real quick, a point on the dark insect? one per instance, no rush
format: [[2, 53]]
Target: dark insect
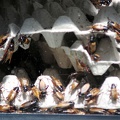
[[24, 40], [28, 104], [105, 2]]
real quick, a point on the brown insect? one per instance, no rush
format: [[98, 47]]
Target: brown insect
[[91, 97], [92, 45], [28, 103], [24, 84], [58, 94], [112, 111], [117, 36], [12, 95], [97, 110], [61, 106], [74, 85], [99, 27], [99, 3], [82, 67], [65, 105], [93, 93], [91, 101], [3, 39], [9, 53], [57, 83], [5, 108], [23, 40], [113, 93], [74, 111], [35, 91], [113, 25], [95, 57]]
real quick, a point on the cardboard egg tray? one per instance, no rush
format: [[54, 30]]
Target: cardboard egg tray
[[53, 20]]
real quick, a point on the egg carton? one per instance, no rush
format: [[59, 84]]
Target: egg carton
[[55, 19], [24, 99]]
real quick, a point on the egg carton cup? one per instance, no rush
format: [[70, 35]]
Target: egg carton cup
[[105, 99], [8, 83]]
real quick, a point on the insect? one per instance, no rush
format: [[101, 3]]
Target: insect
[[95, 57], [91, 97], [84, 90], [5, 108], [3, 39], [58, 94], [9, 52], [112, 111], [24, 84], [92, 45], [61, 106], [117, 36], [82, 67], [93, 93], [99, 27], [113, 25], [74, 85], [74, 111], [42, 87], [65, 105], [35, 91], [113, 93], [91, 101], [99, 3], [23, 40], [105, 2], [28, 103], [12, 95], [57, 83], [97, 110]]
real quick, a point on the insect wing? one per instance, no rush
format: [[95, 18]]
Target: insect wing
[[85, 88]]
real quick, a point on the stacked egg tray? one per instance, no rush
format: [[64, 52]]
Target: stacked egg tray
[[82, 35]]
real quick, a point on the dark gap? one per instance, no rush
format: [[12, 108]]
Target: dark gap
[[90, 17], [29, 59], [69, 39]]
